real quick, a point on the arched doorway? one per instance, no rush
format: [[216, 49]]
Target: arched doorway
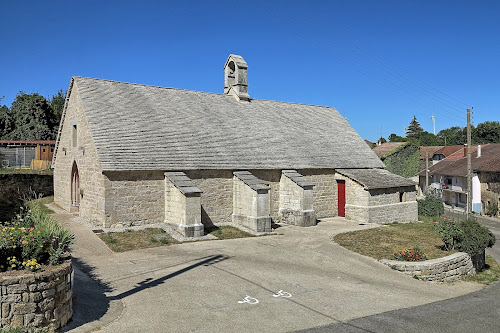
[[75, 189]]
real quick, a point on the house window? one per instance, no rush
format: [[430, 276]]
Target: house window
[[51, 150], [43, 150], [75, 136], [402, 196]]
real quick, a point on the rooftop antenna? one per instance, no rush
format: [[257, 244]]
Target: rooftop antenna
[[433, 123]]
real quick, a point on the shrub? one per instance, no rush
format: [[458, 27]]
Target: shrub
[[450, 233], [32, 239], [492, 210], [410, 254], [430, 206], [467, 236]]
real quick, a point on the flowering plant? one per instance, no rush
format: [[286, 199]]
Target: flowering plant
[[410, 254], [32, 239]]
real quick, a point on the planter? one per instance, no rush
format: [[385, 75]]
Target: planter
[[447, 269], [37, 301]]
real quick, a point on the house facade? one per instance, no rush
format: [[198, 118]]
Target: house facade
[[449, 176], [130, 154]]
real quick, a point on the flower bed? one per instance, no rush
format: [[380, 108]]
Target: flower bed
[[35, 273], [37, 300]]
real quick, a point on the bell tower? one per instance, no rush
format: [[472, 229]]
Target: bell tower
[[235, 78]]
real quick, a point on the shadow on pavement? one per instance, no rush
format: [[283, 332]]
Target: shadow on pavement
[[89, 300]]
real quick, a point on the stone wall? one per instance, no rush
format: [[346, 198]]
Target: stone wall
[[84, 154], [448, 269], [490, 189], [251, 204], [324, 192], [134, 198], [175, 204], [17, 187], [380, 205], [37, 300], [217, 196]]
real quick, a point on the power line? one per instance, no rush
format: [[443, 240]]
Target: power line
[[369, 72], [379, 64], [380, 54]]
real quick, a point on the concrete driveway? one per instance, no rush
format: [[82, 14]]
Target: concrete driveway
[[296, 280]]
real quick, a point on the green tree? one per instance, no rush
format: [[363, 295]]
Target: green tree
[[414, 129], [453, 136], [32, 118], [57, 104], [487, 132], [395, 138], [428, 139], [6, 124]]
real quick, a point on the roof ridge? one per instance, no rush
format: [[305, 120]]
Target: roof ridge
[[198, 91]]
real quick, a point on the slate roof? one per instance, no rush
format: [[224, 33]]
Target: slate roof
[[298, 179], [376, 178], [386, 148], [140, 127], [183, 183], [249, 179], [456, 164]]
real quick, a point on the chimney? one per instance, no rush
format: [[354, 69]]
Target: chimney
[[478, 151], [235, 78], [465, 150]]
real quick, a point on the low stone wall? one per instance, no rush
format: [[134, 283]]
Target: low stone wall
[[447, 269], [37, 301]]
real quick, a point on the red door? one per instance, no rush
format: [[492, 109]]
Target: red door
[[341, 197]]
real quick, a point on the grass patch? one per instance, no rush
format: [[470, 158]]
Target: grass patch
[[227, 232], [380, 243], [41, 203], [26, 171], [490, 273], [137, 239]]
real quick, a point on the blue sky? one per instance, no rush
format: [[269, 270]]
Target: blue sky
[[378, 62]]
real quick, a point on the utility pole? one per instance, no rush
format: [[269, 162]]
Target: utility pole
[[427, 172], [469, 166]]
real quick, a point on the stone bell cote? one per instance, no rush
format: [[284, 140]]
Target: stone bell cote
[[235, 78]]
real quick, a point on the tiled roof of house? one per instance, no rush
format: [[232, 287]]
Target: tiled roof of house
[[376, 178], [386, 148], [140, 127], [456, 164], [448, 150], [424, 150]]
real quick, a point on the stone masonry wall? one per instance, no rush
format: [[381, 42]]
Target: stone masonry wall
[[244, 199], [448, 269], [175, 204], [490, 190], [37, 300], [324, 191], [134, 198], [89, 168], [217, 196]]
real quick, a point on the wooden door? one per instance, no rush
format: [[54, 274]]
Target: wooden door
[[75, 188], [341, 197]]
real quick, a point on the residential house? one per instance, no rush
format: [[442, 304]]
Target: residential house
[[449, 177], [131, 154]]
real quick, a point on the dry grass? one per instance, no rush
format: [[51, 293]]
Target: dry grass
[[380, 243], [490, 273], [137, 239], [227, 232], [26, 171]]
